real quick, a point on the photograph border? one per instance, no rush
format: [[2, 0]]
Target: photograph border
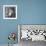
[[4, 11]]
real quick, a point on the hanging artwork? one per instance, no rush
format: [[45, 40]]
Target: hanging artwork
[[9, 11]]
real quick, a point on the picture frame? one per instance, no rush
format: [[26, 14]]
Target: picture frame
[[36, 32], [9, 11]]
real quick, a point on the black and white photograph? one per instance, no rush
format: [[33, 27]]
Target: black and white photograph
[[9, 11], [31, 34]]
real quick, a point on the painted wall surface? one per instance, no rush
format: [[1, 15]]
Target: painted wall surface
[[28, 12], [33, 12], [7, 26]]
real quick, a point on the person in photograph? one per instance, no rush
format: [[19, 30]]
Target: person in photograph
[[10, 12]]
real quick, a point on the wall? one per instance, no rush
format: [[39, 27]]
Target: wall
[[34, 12], [7, 26], [28, 12]]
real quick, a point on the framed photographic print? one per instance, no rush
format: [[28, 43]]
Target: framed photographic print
[[31, 32], [9, 11]]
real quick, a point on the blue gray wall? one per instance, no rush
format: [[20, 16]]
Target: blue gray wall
[[33, 12], [28, 12]]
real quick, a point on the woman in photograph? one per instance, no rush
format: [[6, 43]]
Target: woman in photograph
[[10, 12]]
